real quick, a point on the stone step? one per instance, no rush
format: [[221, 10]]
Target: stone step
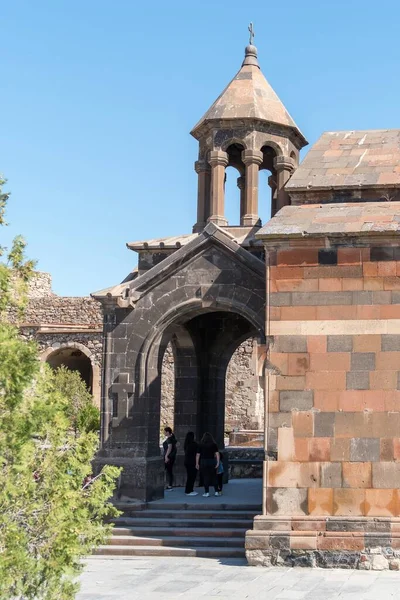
[[189, 514], [203, 504], [181, 542], [183, 522], [206, 552], [179, 532]]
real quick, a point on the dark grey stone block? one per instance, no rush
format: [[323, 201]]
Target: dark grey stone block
[[297, 400], [324, 424], [321, 298], [280, 299], [390, 343], [363, 361], [340, 343], [331, 475], [357, 380], [290, 343], [365, 449]]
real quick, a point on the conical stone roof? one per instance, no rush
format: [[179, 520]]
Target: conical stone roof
[[248, 96]]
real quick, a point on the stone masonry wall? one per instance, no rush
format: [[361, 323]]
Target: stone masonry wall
[[333, 494], [244, 406]]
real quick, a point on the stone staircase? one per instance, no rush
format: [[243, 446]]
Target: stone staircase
[[213, 530]]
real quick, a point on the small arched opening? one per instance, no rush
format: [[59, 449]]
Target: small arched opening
[[267, 187], [234, 183], [74, 360]]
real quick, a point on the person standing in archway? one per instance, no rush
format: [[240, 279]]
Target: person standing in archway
[[207, 460], [191, 448], [169, 446]]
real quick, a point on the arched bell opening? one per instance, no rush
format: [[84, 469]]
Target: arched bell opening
[[268, 187], [234, 184]]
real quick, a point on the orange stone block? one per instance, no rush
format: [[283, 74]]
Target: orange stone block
[[287, 273], [373, 283], [387, 268], [392, 400], [352, 284], [293, 474], [274, 313], [316, 343], [298, 363], [297, 285], [370, 269], [340, 541], [320, 449], [331, 361], [320, 501], [301, 453], [340, 449], [290, 383], [391, 311], [357, 474], [396, 449], [391, 283], [336, 313], [351, 400], [374, 400], [303, 542], [348, 502], [298, 313], [298, 256], [303, 423], [326, 401], [325, 380], [333, 284], [349, 256], [368, 312], [382, 503], [386, 449], [387, 361], [279, 361], [383, 380], [367, 343]]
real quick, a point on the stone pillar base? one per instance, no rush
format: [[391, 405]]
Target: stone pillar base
[[368, 543], [141, 478]]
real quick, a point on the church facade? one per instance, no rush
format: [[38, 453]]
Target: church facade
[[317, 287]]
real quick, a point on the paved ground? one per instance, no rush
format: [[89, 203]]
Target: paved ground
[[195, 578], [237, 491]]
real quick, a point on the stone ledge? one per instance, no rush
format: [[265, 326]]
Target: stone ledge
[[344, 542]]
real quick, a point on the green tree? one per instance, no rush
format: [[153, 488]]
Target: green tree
[[48, 518], [81, 412]]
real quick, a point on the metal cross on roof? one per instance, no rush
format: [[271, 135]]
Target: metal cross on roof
[[251, 30]]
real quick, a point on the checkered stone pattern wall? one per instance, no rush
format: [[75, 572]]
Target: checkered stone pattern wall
[[334, 404]]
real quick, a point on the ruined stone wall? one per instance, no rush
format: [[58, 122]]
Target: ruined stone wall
[[244, 395]]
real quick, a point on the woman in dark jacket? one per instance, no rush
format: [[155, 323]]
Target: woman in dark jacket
[[207, 460], [190, 448]]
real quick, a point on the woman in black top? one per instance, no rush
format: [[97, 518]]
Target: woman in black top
[[207, 460], [190, 448]]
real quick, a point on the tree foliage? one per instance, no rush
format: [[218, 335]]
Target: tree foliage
[[48, 519]]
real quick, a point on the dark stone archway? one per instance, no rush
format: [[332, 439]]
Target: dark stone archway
[[207, 298]]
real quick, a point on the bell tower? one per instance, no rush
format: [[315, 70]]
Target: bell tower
[[248, 128]]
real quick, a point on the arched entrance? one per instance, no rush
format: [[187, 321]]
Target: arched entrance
[[74, 360], [202, 343]]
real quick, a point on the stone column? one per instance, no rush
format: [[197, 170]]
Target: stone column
[[252, 159], [218, 161], [272, 185], [284, 166], [241, 185], [202, 169]]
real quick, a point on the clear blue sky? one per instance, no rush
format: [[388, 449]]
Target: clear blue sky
[[98, 98]]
